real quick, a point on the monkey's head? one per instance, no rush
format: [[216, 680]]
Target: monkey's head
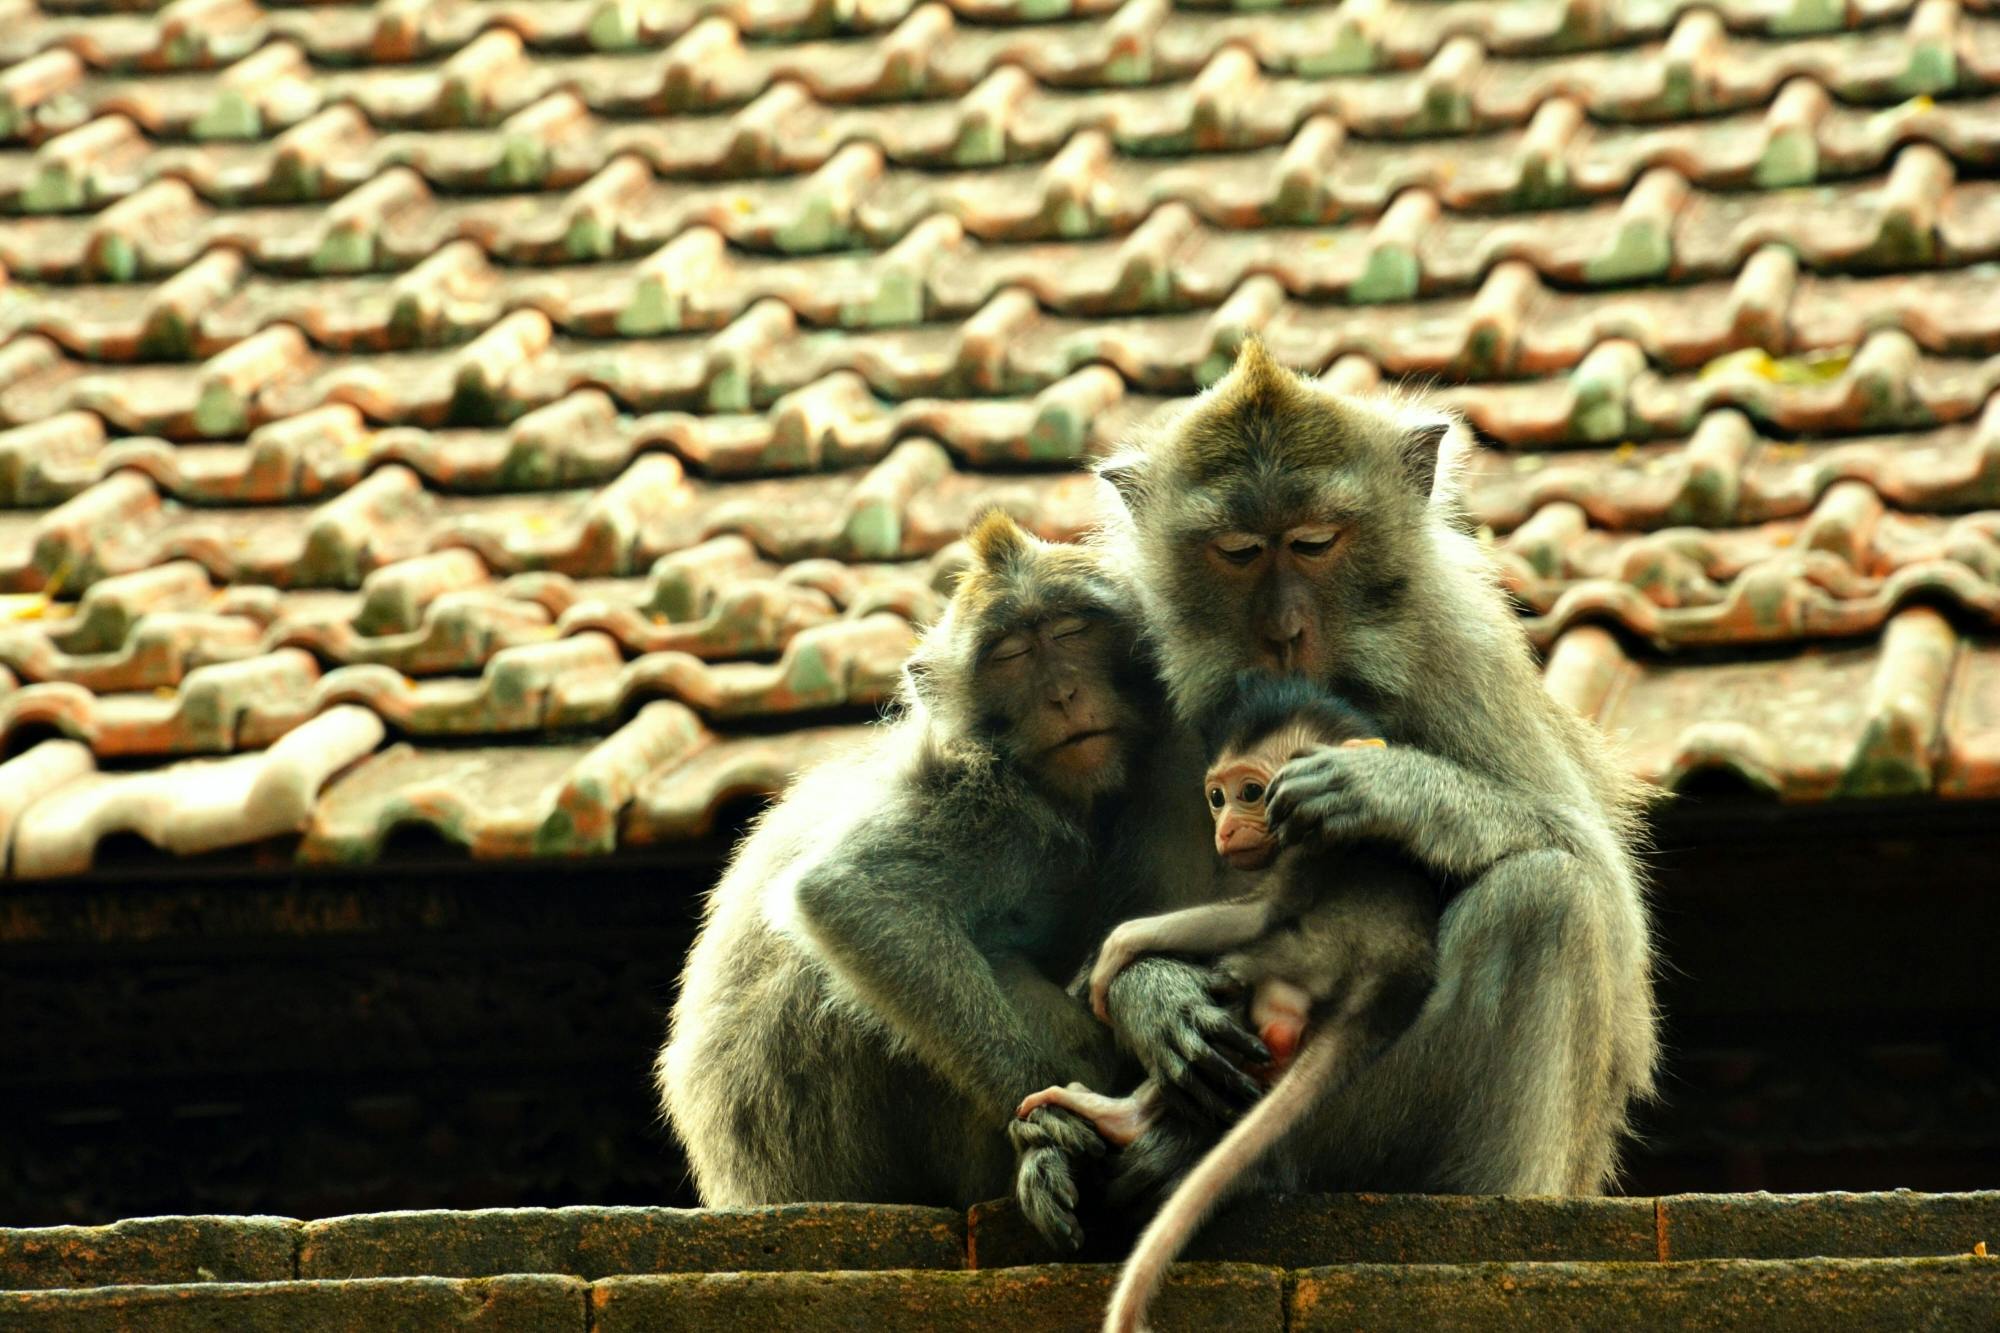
[[1265, 724], [1036, 658], [1277, 526]]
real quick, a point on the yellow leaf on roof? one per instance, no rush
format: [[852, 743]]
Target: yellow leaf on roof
[[1810, 368]]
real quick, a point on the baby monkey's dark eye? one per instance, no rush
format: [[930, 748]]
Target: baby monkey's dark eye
[[1215, 798], [1253, 792]]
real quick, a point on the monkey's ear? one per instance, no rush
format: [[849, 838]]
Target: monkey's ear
[[1420, 448], [918, 672], [1127, 474], [997, 539]]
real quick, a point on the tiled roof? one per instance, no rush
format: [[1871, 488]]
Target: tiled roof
[[544, 422]]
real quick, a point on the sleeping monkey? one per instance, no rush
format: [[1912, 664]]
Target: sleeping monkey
[[1356, 960]]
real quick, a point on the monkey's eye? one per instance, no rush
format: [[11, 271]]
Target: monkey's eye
[[1252, 793], [1312, 543], [1239, 550], [1068, 627], [1215, 798], [1009, 649]]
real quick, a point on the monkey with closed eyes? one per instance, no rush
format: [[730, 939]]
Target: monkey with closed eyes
[[1273, 525], [1340, 935], [880, 976]]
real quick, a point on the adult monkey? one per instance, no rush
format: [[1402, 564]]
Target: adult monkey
[[878, 981], [1274, 525]]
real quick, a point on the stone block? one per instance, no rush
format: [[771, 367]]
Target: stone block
[[1306, 1231], [598, 1242], [1049, 1299], [1802, 1226], [998, 1236], [148, 1249], [1770, 1296], [380, 1305]]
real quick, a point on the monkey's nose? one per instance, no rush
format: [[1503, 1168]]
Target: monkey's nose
[[1285, 648]]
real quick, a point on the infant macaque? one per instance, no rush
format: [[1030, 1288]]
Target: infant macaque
[[1340, 937]]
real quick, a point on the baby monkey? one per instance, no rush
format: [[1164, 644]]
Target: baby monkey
[[1341, 936]]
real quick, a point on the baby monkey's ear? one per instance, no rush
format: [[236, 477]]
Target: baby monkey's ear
[[1371, 743]]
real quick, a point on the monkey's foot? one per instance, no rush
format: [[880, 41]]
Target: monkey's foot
[[1118, 1120]]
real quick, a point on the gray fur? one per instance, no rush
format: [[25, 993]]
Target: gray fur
[[1519, 1072], [878, 981], [1355, 932]]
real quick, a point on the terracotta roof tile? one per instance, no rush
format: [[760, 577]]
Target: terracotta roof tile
[[590, 396], [1829, 722]]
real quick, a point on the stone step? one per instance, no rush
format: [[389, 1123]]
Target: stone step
[[1774, 1295], [1282, 1233]]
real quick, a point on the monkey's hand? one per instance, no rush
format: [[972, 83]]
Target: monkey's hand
[[1047, 1142], [1192, 1047], [1457, 820]]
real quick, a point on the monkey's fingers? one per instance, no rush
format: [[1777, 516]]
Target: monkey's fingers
[[1234, 1085], [1047, 1194], [1245, 1047]]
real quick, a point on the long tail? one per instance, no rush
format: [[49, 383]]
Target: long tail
[[1249, 1139]]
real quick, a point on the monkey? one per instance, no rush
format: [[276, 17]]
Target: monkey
[[1271, 524], [878, 979], [1345, 933], [1270, 717]]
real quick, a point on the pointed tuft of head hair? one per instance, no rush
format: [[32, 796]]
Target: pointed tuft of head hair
[[1257, 373], [998, 540]]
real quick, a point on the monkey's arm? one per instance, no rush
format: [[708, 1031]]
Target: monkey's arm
[[1456, 820], [1211, 928], [1053, 1011], [887, 932]]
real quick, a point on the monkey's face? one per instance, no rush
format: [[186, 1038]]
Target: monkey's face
[[1239, 783], [1236, 788], [1278, 527], [1059, 697]]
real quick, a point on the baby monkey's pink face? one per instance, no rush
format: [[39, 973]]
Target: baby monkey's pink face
[[1238, 783]]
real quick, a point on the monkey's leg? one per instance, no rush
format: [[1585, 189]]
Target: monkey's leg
[[1278, 1012], [1516, 1076], [1119, 1120], [1207, 929], [1047, 1149]]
